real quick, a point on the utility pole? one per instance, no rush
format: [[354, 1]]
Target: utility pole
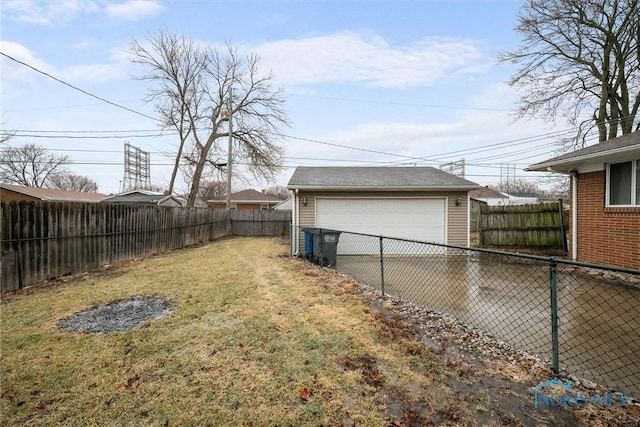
[[229, 152]]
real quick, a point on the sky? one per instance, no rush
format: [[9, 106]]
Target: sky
[[366, 83]]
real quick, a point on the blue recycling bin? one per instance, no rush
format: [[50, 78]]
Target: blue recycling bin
[[308, 242]]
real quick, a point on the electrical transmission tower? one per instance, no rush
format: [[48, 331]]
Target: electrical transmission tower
[[454, 168], [507, 175], [137, 168]]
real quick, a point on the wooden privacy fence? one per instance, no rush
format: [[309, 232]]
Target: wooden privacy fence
[[260, 222], [45, 240], [540, 226]]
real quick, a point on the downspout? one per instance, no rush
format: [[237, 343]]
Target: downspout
[[296, 223], [468, 220], [574, 215]]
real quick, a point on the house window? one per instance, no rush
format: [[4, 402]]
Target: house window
[[623, 183], [233, 206], [264, 206]]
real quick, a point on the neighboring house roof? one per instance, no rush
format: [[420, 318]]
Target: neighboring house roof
[[141, 197], [523, 195], [285, 205], [52, 195], [486, 193], [250, 196], [376, 179], [623, 148]]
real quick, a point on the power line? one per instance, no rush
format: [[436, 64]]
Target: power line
[[83, 131], [346, 146], [22, 135], [77, 88], [404, 104]]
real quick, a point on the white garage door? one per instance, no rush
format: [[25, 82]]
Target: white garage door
[[415, 219]]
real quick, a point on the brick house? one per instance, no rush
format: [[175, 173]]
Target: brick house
[[605, 200]]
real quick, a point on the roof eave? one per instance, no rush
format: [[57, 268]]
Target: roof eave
[[568, 164], [369, 188]]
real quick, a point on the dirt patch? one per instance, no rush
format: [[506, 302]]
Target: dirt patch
[[367, 365], [118, 316]]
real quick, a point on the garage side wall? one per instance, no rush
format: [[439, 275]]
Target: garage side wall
[[457, 216]]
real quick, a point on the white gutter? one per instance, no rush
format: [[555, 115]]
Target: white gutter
[[550, 166], [369, 188], [468, 220], [295, 249], [574, 216]]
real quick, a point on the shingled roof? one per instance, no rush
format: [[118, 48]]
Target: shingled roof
[[53, 195], [141, 197], [617, 149], [250, 196], [376, 179]]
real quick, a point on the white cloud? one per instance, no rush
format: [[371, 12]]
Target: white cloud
[[53, 13], [350, 57], [87, 45], [74, 74], [13, 70], [133, 10], [61, 12], [95, 73]]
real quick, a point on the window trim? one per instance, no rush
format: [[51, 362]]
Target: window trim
[[634, 168]]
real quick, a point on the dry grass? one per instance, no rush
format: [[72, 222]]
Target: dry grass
[[256, 339], [252, 342]]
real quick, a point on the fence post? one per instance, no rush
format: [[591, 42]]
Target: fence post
[[19, 246], [554, 317], [381, 266]]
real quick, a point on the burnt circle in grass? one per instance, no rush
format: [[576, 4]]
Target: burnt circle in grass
[[118, 316]]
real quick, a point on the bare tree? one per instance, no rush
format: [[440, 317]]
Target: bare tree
[[72, 182], [211, 190], [6, 135], [279, 191], [30, 165], [191, 88], [517, 185], [577, 56]]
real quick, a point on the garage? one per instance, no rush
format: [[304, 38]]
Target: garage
[[409, 218], [416, 203]]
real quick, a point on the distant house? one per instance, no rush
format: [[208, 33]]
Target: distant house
[[247, 200], [144, 197], [285, 205], [605, 200], [490, 197], [20, 192], [522, 198], [487, 196]]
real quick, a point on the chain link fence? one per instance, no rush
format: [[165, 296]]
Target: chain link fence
[[583, 318]]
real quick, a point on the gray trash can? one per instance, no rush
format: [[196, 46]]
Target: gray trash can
[[325, 246]]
